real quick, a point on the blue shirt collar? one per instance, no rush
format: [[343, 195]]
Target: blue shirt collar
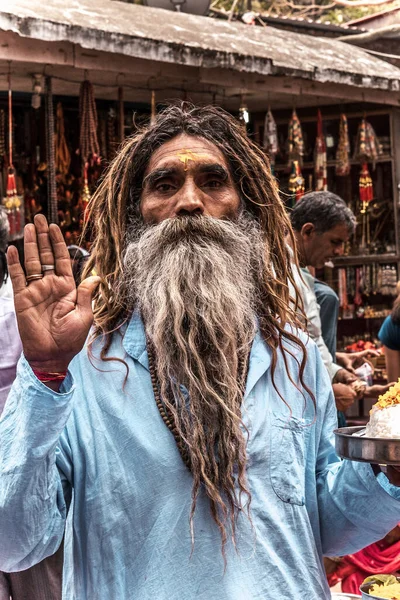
[[134, 343]]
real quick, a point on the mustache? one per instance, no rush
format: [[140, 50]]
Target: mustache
[[184, 227], [194, 233]]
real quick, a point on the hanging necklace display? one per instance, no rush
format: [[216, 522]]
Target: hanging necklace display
[[63, 156], [12, 201], [366, 196], [321, 183], [357, 296], [368, 147], [166, 413], [296, 183], [88, 143], [343, 149], [50, 146], [295, 139], [343, 300], [270, 140]]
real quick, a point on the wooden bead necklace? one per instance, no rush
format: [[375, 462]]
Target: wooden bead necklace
[[166, 414]]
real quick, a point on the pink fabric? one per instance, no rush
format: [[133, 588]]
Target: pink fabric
[[374, 559], [11, 347]]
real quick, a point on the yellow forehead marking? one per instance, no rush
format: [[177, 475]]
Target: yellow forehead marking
[[186, 155]]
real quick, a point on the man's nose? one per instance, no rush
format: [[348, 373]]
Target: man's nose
[[339, 250], [190, 200]]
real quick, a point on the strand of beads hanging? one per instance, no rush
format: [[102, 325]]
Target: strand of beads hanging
[[166, 413], [343, 149], [320, 171]]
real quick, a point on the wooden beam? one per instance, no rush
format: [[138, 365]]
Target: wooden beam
[[296, 86], [127, 70]]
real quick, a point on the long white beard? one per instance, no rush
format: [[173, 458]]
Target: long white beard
[[195, 280]]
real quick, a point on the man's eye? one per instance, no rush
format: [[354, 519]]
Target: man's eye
[[214, 183], [164, 187]]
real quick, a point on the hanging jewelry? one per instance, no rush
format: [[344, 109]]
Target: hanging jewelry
[[270, 141], [296, 183], [165, 412], [63, 156], [295, 139], [343, 149], [321, 183]]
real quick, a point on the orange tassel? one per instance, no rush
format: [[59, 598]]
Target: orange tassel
[[365, 184]]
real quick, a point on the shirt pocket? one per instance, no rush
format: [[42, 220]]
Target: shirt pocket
[[287, 466]]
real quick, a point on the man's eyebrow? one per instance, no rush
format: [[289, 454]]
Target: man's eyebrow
[[214, 169], [154, 176]]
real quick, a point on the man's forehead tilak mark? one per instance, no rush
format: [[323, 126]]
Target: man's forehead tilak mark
[[185, 155]]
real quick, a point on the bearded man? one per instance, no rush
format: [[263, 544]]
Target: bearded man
[[195, 427]]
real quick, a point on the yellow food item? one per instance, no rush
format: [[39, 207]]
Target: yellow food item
[[389, 398], [391, 591]]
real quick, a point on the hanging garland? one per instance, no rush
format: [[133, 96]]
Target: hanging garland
[[295, 139], [270, 141], [365, 185], [63, 156], [88, 143], [12, 201], [50, 158], [366, 191], [296, 183], [343, 149], [320, 173], [368, 147]]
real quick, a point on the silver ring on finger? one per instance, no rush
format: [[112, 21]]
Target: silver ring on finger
[[47, 268]]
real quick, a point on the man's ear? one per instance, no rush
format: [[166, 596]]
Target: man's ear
[[307, 230]]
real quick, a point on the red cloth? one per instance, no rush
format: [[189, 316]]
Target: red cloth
[[374, 559]]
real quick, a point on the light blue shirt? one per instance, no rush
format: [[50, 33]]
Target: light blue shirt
[[132, 492]]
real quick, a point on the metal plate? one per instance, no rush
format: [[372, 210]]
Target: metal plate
[[344, 596], [365, 587], [382, 451]]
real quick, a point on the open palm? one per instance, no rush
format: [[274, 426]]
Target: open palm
[[54, 317]]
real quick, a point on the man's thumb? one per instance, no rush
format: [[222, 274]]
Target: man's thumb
[[85, 292]]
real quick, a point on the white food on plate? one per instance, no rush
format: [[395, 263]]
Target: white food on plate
[[384, 422]]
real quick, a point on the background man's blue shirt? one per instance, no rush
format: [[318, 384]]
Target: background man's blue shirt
[[132, 492], [389, 334]]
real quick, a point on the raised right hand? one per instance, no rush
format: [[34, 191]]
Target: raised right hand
[[54, 317]]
